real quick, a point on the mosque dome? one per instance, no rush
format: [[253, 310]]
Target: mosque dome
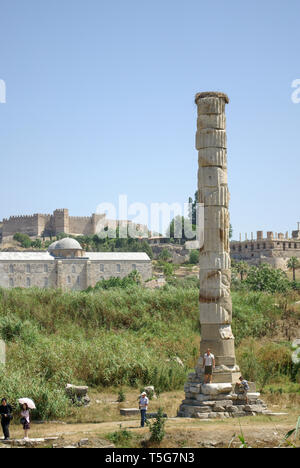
[[65, 244]]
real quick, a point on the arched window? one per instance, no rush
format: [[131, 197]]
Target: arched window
[[28, 269], [28, 282], [11, 268], [134, 266], [101, 267], [46, 282], [73, 269], [69, 279], [46, 269], [11, 282], [118, 268]]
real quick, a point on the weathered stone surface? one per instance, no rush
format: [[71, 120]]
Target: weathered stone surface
[[204, 409], [77, 391], [217, 121], [129, 411], [216, 389], [212, 157], [253, 408], [202, 415], [2, 352], [219, 409]]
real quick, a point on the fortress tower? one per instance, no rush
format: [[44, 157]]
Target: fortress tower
[[61, 221]]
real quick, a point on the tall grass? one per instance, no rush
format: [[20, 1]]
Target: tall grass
[[115, 337]]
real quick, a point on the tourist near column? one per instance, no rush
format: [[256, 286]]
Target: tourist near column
[[219, 399], [214, 263]]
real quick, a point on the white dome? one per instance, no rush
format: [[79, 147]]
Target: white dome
[[65, 244]]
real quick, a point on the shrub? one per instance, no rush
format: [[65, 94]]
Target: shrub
[[157, 428], [194, 257], [121, 438], [266, 278], [121, 396]]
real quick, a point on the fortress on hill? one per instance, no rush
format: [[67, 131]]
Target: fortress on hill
[[60, 221], [274, 248]]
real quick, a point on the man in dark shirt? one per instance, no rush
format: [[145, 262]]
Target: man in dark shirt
[[6, 416]]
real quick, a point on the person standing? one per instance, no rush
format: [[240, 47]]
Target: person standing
[[144, 402], [6, 417], [209, 364], [244, 388], [25, 420]]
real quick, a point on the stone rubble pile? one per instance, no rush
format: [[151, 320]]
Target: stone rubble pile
[[218, 401]]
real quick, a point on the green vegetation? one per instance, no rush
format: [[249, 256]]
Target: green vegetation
[[25, 241], [121, 334], [102, 338], [121, 438], [157, 428], [194, 257]]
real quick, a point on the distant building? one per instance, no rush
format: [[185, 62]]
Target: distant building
[[65, 265], [275, 248], [50, 225]]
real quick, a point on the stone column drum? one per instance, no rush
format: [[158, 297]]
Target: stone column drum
[[215, 267], [217, 399]]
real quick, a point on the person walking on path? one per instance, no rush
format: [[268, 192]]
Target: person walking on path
[[6, 417], [144, 402], [244, 387], [25, 420], [209, 364]]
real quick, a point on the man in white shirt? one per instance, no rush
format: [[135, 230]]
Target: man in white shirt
[[209, 364], [144, 402]]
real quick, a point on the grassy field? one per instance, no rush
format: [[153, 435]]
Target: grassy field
[[131, 338]]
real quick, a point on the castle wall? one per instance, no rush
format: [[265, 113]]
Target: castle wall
[[81, 225], [23, 224]]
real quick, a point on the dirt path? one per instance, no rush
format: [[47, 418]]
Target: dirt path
[[181, 432]]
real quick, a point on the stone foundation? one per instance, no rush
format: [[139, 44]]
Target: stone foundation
[[218, 401]]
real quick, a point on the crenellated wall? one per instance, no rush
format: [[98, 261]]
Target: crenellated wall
[[59, 222]]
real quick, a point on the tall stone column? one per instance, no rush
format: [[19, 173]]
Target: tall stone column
[[216, 400], [215, 267]]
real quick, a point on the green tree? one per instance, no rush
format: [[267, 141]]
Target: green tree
[[293, 264], [242, 268], [23, 239], [266, 278]]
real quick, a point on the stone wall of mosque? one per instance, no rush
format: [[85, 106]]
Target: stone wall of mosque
[[72, 274]]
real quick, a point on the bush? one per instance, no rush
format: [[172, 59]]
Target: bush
[[194, 257], [266, 278], [265, 363], [121, 438], [157, 428], [121, 396]]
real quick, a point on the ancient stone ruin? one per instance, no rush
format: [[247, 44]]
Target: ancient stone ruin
[[2, 352], [219, 399]]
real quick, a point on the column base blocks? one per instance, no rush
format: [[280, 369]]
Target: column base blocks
[[218, 401]]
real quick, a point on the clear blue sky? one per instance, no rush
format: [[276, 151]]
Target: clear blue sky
[[100, 103]]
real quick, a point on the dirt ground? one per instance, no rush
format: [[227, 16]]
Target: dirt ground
[[102, 418]]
